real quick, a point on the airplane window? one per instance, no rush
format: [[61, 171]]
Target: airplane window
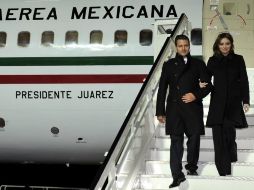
[[96, 37], [145, 37], [71, 37], [3, 37], [229, 9], [196, 36], [47, 38], [120, 37], [24, 39]]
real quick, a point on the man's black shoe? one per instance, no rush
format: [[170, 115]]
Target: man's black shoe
[[192, 172], [176, 182]]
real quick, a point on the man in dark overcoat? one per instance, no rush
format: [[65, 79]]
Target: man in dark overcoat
[[184, 108]]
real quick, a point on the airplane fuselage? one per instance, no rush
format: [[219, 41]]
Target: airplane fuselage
[[70, 71]]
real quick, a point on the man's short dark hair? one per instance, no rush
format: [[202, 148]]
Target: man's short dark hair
[[181, 37]]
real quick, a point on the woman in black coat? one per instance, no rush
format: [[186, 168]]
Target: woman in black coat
[[229, 100]]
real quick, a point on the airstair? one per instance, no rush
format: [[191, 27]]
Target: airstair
[[139, 156]]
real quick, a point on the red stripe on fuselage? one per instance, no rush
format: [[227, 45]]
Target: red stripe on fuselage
[[60, 79]]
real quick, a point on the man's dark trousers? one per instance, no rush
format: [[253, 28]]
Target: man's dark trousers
[[177, 149]]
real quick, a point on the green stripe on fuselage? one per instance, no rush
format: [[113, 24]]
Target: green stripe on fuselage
[[59, 61], [55, 61]]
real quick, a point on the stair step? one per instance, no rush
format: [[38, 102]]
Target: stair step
[[205, 142], [250, 113], [206, 155], [249, 118], [240, 133], [197, 182], [204, 168]]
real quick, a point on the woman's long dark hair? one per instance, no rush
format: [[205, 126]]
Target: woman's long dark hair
[[216, 50]]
